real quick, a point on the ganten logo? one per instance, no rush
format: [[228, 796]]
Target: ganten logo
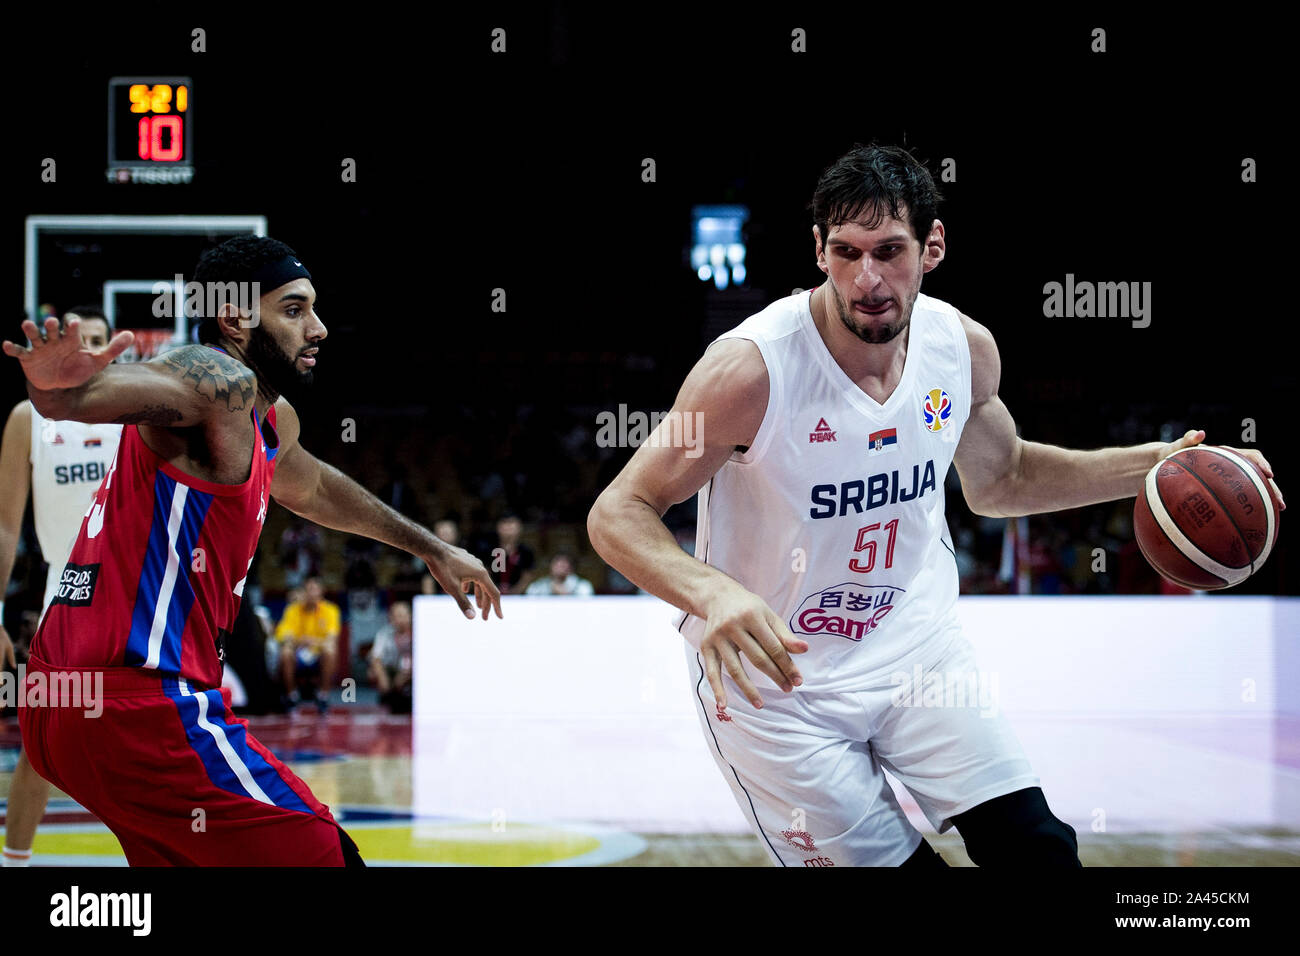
[[851, 611]]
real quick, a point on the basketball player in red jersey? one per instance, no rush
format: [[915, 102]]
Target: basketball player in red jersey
[[155, 578]]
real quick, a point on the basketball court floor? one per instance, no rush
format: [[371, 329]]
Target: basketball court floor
[[1167, 773]]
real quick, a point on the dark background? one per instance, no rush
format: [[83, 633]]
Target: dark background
[[522, 171]]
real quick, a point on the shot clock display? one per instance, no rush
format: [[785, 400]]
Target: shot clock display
[[150, 129]]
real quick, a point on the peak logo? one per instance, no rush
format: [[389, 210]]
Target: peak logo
[[822, 432], [851, 611]]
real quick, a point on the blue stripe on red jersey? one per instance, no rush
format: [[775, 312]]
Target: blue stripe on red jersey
[[163, 602], [230, 762]]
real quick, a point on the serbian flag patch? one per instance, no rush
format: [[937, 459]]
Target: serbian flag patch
[[882, 439]]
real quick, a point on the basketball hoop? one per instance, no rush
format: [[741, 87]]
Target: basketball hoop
[[148, 344]]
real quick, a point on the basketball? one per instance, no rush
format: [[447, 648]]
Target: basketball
[[1205, 519]]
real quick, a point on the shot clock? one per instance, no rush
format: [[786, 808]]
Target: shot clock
[[150, 129]]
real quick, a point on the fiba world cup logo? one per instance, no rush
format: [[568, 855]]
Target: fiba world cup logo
[[936, 409]]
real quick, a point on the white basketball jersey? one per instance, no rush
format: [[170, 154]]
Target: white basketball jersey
[[835, 514], [69, 461]]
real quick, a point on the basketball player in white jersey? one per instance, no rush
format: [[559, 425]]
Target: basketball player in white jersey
[[63, 463], [828, 423]]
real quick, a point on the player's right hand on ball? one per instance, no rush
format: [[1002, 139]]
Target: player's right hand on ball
[[58, 359], [739, 621]]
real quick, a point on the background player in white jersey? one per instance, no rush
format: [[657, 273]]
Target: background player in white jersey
[[62, 463], [829, 421]]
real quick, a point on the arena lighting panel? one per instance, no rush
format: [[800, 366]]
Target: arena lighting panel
[[718, 244]]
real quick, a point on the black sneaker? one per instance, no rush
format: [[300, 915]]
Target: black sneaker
[[322, 705]]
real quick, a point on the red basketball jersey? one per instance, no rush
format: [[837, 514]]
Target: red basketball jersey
[[157, 572]]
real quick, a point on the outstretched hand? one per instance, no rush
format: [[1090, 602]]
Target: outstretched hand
[[57, 359], [459, 573], [1196, 436]]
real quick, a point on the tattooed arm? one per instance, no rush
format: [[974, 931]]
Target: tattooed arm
[[181, 388]]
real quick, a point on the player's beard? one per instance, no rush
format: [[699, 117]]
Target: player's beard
[[874, 335], [273, 364]]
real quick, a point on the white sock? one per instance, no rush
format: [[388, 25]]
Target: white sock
[[14, 857]]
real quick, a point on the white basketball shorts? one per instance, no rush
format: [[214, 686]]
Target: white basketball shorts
[[807, 768]]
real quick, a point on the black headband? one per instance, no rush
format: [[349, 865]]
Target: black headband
[[270, 276], [275, 274]]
